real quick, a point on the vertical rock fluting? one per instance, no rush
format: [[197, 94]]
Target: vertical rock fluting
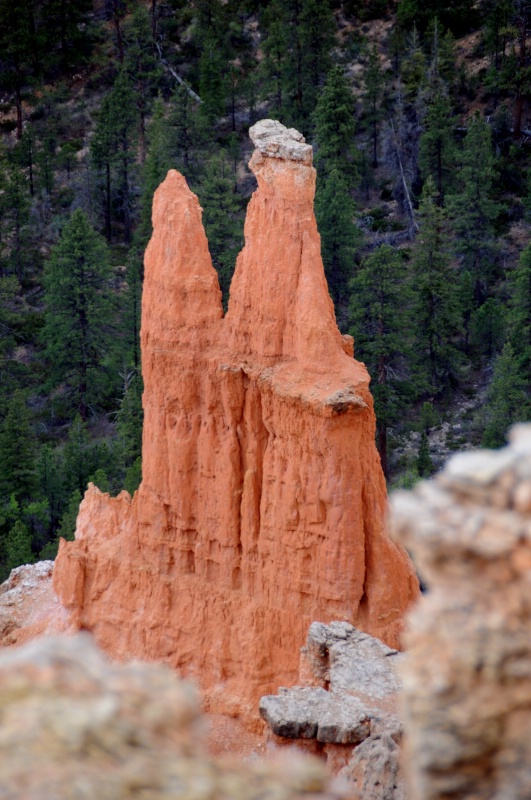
[[467, 675], [262, 502]]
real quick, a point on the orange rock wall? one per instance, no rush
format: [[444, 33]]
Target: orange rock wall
[[262, 502]]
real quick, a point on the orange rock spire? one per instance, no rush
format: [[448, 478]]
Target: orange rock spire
[[262, 503]]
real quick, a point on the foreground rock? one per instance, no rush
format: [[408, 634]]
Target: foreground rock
[[354, 722], [262, 503], [467, 677], [76, 727]]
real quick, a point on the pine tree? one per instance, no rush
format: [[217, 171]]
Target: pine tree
[[17, 450], [335, 127], [77, 331], [142, 67], [50, 483], [437, 150], [275, 46], [18, 547], [435, 308], [156, 166], [212, 78], [316, 30], [507, 400], [340, 237], [424, 462], [488, 326], [372, 99], [67, 526], [222, 219], [187, 135], [519, 316], [378, 305], [129, 421], [472, 210], [77, 461]]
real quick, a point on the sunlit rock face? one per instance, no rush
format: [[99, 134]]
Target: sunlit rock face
[[262, 505]]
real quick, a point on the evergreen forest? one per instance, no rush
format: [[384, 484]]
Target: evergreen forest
[[420, 118]]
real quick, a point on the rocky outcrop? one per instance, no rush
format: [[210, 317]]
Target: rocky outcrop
[[75, 726], [467, 677], [354, 722], [262, 503], [29, 606]]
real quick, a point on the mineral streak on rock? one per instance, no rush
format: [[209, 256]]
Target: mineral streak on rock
[[262, 502], [467, 676]]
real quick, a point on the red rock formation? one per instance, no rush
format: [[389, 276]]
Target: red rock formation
[[262, 503]]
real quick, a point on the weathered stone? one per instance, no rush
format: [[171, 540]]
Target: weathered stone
[[29, 606], [313, 713], [467, 676], [262, 505], [359, 707], [374, 770], [76, 727]]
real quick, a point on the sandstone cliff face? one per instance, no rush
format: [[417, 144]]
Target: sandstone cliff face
[[262, 503], [467, 675]]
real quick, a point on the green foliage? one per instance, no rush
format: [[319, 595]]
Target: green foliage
[[437, 149], [435, 309], [507, 400], [133, 476], [17, 450], [335, 127], [488, 327], [335, 212], [18, 547], [424, 462], [77, 464], [129, 421], [78, 331], [473, 210], [372, 99], [67, 525], [378, 307], [519, 316], [222, 218]]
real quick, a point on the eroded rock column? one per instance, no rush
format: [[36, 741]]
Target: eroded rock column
[[262, 505]]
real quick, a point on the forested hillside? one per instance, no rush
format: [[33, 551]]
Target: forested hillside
[[420, 120]]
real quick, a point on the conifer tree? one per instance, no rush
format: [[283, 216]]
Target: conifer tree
[[378, 304], [212, 78], [507, 400], [222, 219], [67, 525], [335, 126], [435, 309], [424, 462], [340, 237], [275, 67], [437, 150], [472, 210], [519, 316], [187, 135], [156, 166], [17, 452], [18, 546], [142, 68], [78, 330], [372, 99], [129, 421]]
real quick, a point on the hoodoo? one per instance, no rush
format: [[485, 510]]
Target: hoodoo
[[262, 505]]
